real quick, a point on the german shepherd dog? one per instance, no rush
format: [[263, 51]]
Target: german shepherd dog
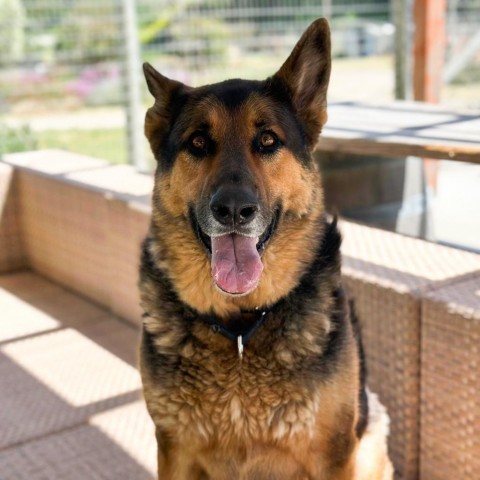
[[250, 360]]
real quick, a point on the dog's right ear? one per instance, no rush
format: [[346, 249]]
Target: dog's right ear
[[158, 116], [160, 86]]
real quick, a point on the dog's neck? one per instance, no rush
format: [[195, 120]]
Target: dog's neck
[[315, 305], [325, 267], [240, 328], [176, 251]]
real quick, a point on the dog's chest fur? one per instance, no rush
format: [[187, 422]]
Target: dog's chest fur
[[220, 397], [194, 380], [292, 399]]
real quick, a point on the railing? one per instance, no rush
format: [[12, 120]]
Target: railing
[[402, 128]]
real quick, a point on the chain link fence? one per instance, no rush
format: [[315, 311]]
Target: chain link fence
[[58, 58], [461, 73], [63, 64], [209, 41]]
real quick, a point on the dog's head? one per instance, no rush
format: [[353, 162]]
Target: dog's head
[[235, 172]]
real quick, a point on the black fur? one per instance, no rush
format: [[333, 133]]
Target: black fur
[[363, 399], [291, 312], [232, 94]]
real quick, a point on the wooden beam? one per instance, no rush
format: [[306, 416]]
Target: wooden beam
[[429, 49], [402, 129]]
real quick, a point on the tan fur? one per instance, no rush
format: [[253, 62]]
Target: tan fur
[[219, 418], [280, 178], [310, 433], [372, 462]]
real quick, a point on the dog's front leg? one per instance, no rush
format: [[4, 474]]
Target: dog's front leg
[[171, 466], [339, 453], [344, 472], [164, 456]]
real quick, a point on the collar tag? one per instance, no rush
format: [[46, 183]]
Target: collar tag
[[242, 339], [240, 346]]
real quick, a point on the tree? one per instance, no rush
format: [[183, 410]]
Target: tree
[[12, 28]]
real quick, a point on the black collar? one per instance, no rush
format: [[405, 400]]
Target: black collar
[[239, 336]]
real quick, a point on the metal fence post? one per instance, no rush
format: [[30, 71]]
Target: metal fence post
[[132, 78], [327, 9], [402, 17]]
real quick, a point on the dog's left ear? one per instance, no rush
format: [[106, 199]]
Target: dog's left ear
[[306, 74]]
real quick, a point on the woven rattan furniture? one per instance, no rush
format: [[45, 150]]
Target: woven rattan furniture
[[11, 249], [80, 223], [71, 406], [83, 223], [450, 394], [388, 275]]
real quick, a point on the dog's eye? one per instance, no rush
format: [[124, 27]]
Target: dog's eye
[[199, 145], [199, 142], [268, 142]]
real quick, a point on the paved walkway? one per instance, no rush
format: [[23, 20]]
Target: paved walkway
[[70, 402]]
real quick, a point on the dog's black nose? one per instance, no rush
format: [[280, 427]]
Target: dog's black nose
[[233, 205]]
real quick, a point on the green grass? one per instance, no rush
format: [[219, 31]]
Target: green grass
[[110, 144]]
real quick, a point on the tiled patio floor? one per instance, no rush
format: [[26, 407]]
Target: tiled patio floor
[[70, 403]]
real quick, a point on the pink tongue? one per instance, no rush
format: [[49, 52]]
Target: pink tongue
[[236, 264]]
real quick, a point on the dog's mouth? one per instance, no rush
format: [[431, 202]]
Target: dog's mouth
[[236, 263]]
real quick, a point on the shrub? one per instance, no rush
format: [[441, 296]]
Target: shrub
[[16, 139]]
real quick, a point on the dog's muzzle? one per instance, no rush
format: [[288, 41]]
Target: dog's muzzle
[[234, 229], [234, 206]]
